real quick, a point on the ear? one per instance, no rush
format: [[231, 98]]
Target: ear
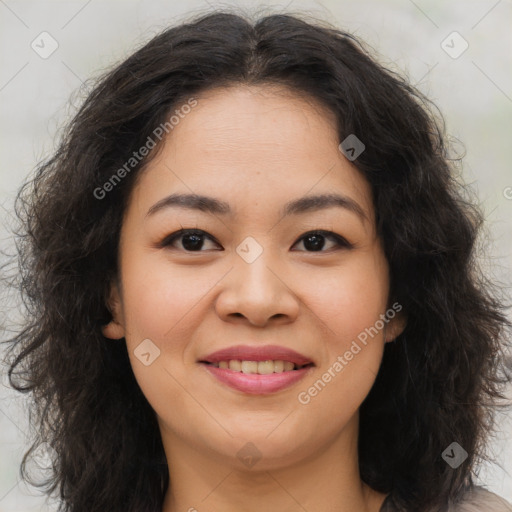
[[395, 326], [115, 328]]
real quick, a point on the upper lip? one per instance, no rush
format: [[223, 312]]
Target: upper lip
[[257, 353]]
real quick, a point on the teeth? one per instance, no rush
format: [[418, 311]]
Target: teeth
[[278, 366], [249, 366], [259, 367], [235, 365], [288, 366]]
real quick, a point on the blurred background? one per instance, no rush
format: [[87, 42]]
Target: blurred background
[[459, 53]]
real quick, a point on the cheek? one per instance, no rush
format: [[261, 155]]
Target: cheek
[[159, 301], [349, 303], [162, 299], [350, 299]]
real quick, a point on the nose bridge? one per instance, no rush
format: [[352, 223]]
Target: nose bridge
[[254, 288], [253, 268]]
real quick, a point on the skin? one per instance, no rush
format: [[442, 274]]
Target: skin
[[255, 148]]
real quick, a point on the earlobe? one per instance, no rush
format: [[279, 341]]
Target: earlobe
[[115, 328], [395, 326]]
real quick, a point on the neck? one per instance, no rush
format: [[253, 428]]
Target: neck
[[326, 480]]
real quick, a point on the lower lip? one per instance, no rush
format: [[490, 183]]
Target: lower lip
[[257, 384]]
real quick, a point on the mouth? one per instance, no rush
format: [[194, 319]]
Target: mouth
[[258, 359], [258, 367], [257, 370]]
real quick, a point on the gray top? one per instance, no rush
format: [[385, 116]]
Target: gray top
[[476, 500]]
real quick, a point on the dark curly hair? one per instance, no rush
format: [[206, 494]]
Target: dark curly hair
[[438, 382]]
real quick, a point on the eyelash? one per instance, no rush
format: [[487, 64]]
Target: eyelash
[[340, 241]]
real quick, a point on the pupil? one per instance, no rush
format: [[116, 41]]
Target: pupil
[[196, 242], [315, 245]]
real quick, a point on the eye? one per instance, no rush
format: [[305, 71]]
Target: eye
[[315, 240], [192, 240]]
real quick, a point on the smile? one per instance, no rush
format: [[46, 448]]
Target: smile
[[259, 367], [246, 376]]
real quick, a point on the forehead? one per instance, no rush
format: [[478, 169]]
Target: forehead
[[255, 115], [265, 144]]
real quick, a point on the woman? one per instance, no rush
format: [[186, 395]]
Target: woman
[[252, 286]]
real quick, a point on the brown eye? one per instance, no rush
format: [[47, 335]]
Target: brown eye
[[315, 240], [191, 240]]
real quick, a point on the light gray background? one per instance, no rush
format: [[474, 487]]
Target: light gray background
[[474, 92]]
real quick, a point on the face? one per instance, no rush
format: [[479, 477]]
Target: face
[[251, 273]]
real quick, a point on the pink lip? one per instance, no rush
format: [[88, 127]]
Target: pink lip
[[258, 353], [254, 383]]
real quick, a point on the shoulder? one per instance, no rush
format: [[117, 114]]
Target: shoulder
[[479, 499], [476, 499]]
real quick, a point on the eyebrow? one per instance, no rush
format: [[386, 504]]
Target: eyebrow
[[215, 206]]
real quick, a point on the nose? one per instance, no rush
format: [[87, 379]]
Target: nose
[[259, 292]]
